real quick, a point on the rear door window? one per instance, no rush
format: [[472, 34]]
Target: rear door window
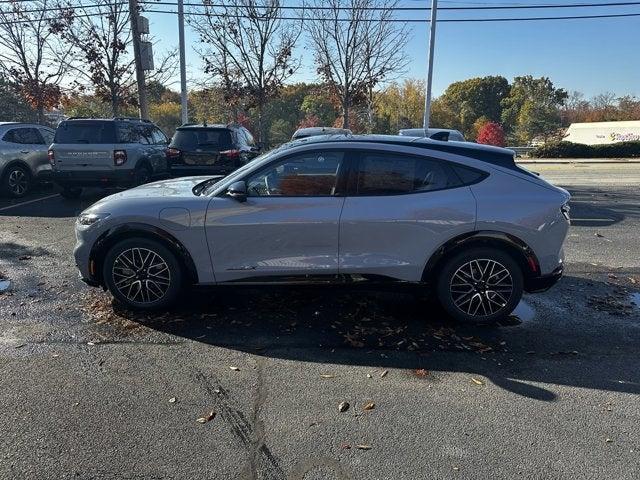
[[387, 173], [24, 136], [85, 132], [202, 139], [159, 138]]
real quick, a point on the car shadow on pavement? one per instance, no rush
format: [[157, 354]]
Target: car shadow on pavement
[[582, 333]]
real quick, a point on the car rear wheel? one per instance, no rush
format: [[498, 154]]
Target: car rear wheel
[[142, 274], [480, 285], [142, 175], [16, 181]]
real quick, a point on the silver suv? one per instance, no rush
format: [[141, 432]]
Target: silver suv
[[119, 152], [460, 220], [23, 157]]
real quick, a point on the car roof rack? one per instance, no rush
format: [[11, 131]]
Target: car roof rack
[[133, 119]]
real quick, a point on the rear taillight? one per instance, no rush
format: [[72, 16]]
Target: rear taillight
[[172, 152], [119, 157], [231, 153], [52, 158]]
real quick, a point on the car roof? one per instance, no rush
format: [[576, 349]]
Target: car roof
[[321, 130], [487, 153], [116, 119], [419, 132]]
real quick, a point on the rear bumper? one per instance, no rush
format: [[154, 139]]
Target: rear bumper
[[93, 178], [543, 283]]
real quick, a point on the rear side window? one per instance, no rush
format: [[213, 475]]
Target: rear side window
[[85, 132], [23, 136], [469, 175], [384, 173], [203, 139], [135, 133]]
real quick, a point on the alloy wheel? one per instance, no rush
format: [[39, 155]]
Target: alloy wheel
[[141, 275], [481, 287], [18, 182]]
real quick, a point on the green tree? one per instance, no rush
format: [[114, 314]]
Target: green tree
[[532, 109], [399, 106], [463, 103], [318, 104], [167, 115]]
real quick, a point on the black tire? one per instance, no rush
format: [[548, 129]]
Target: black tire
[[16, 181], [142, 175], [71, 193], [153, 294], [480, 298]]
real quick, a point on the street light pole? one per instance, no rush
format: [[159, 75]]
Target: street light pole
[[432, 42], [183, 67]]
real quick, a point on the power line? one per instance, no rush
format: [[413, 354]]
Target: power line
[[475, 7], [416, 20], [69, 7]]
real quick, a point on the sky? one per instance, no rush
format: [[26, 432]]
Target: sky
[[590, 55]]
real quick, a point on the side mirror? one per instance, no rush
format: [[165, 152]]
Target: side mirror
[[238, 191]]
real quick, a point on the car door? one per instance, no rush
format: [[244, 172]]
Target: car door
[[400, 208], [287, 226], [31, 147]]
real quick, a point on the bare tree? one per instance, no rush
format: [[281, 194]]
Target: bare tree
[[32, 56], [249, 50], [99, 32], [356, 47]]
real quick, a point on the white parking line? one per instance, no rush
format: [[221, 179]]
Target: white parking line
[[28, 202]]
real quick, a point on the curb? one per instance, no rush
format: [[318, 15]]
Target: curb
[[565, 161]]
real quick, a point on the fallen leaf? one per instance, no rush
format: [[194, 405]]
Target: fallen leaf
[[345, 446], [327, 375], [611, 275], [24, 257], [207, 418], [608, 440], [456, 469], [363, 447], [369, 406], [235, 369], [368, 375], [476, 381], [384, 374], [421, 372], [172, 400], [343, 407]]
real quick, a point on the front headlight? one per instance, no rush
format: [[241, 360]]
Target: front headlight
[[86, 219]]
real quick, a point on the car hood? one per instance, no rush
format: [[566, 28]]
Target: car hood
[[163, 191]]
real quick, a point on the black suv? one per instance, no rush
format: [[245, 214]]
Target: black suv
[[201, 149]]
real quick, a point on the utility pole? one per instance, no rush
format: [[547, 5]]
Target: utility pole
[[432, 42], [183, 66], [134, 15]]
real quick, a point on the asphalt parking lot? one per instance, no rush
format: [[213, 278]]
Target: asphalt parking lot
[[91, 391]]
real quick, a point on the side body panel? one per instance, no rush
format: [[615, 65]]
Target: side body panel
[[267, 236], [395, 235], [526, 210]]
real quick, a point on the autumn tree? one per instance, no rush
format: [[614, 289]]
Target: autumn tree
[[248, 50], [491, 133], [400, 105], [356, 47], [32, 57], [99, 32]]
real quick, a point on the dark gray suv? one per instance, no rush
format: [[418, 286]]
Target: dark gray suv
[[119, 152], [23, 156]]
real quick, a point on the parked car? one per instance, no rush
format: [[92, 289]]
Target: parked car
[[95, 152], [462, 221], [442, 134], [314, 131], [201, 149], [23, 157]]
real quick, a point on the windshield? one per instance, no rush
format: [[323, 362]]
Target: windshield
[[213, 188], [201, 138]]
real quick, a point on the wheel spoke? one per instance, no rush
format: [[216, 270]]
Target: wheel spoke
[[481, 287], [141, 275]]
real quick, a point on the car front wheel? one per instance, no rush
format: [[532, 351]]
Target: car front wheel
[[480, 285], [142, 274]]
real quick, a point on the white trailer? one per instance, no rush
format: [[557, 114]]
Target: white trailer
[[598, 133]]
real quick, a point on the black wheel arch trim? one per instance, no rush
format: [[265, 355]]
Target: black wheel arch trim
[[128, 230], [521, 252], [16, 162]]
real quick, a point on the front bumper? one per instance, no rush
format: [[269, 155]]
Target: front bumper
[[543, 283], [93, 178]]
